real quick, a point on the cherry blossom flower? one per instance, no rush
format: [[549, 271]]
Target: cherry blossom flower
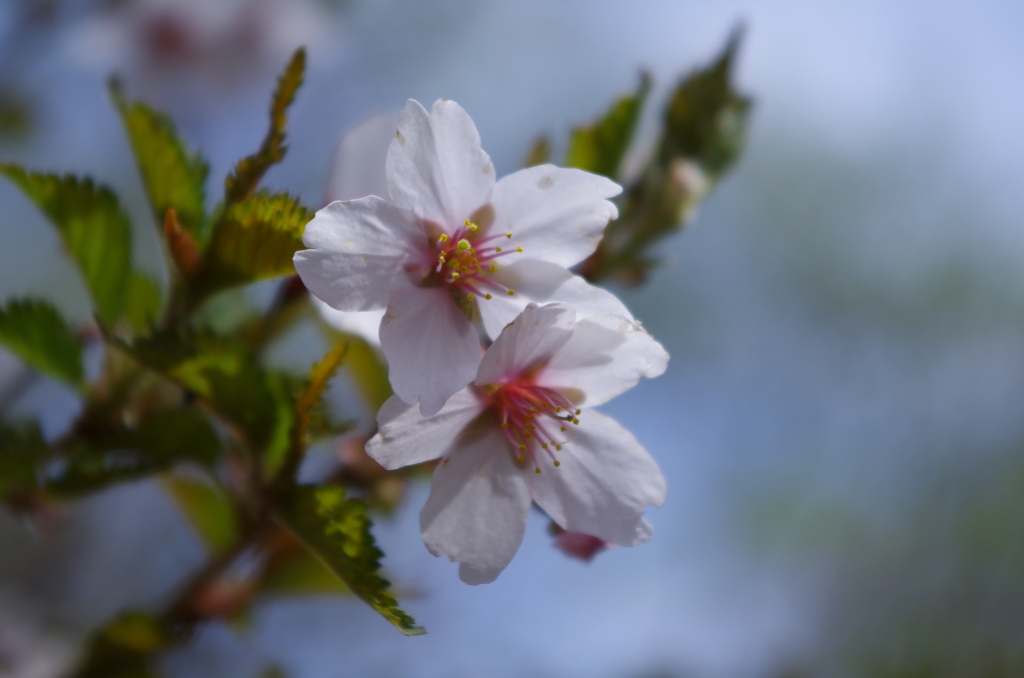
[[523, 432], [450, 244]]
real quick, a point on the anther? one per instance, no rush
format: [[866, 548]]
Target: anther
[[536, 470], [579, 411], [493, 268], [504, 424], [463, 245], [559, 448], [576, 421], [487, 296], [563, 428], [455, 275], [520, 459], [522, 448], [470, 225], [519, 249], [511, 293], [557, 464], [471, 296], [443, 237], [508, 235], [497, 249]]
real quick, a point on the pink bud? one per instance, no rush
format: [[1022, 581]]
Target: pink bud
[[578, 545]]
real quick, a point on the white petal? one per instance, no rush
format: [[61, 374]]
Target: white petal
[[478, 507], [435, 166], [606, 356], [407, 437], [432, 349], [603, 484], [358, 168], [530, 340], [541, 282], [359, 252], [365, 324], [554, 214]]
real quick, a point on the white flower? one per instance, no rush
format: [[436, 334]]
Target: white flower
[[453, 243], [523, 432]]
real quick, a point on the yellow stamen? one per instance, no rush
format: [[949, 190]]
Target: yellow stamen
[[579, 411], [505, 424], [557, 464], [519, 249], [463, 245], [455, 275], [487, 296], [470, 225], [537, 470], [508, 235], [471, 296], [497, 249], [493, 268], [511, 293], [576, 421], [520, 459], [443, 237], [522, 448], [559, 448]]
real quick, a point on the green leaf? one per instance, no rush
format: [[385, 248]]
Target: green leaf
[[207, 508], [706, 118], [173, 177], [296, 572], [95, 230], [308, 411], [143, 301], [600, 147], [35, 332], [255, 402], [337, 531], [22, 450], [120, 454], [255, 239], [241, 183]]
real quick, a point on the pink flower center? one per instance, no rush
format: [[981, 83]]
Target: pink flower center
[[465, 261], [535, 419]]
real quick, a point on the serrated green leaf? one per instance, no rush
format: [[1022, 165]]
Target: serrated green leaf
[[246, 177], [95, 230], [255, 239], [22, 449], [36, 332], [255, 402], [117, 455], [173, 177], [337, 531], [706, 118], [600, 147], [307, 409], [142, 302], [207, 508], [296, 572]]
